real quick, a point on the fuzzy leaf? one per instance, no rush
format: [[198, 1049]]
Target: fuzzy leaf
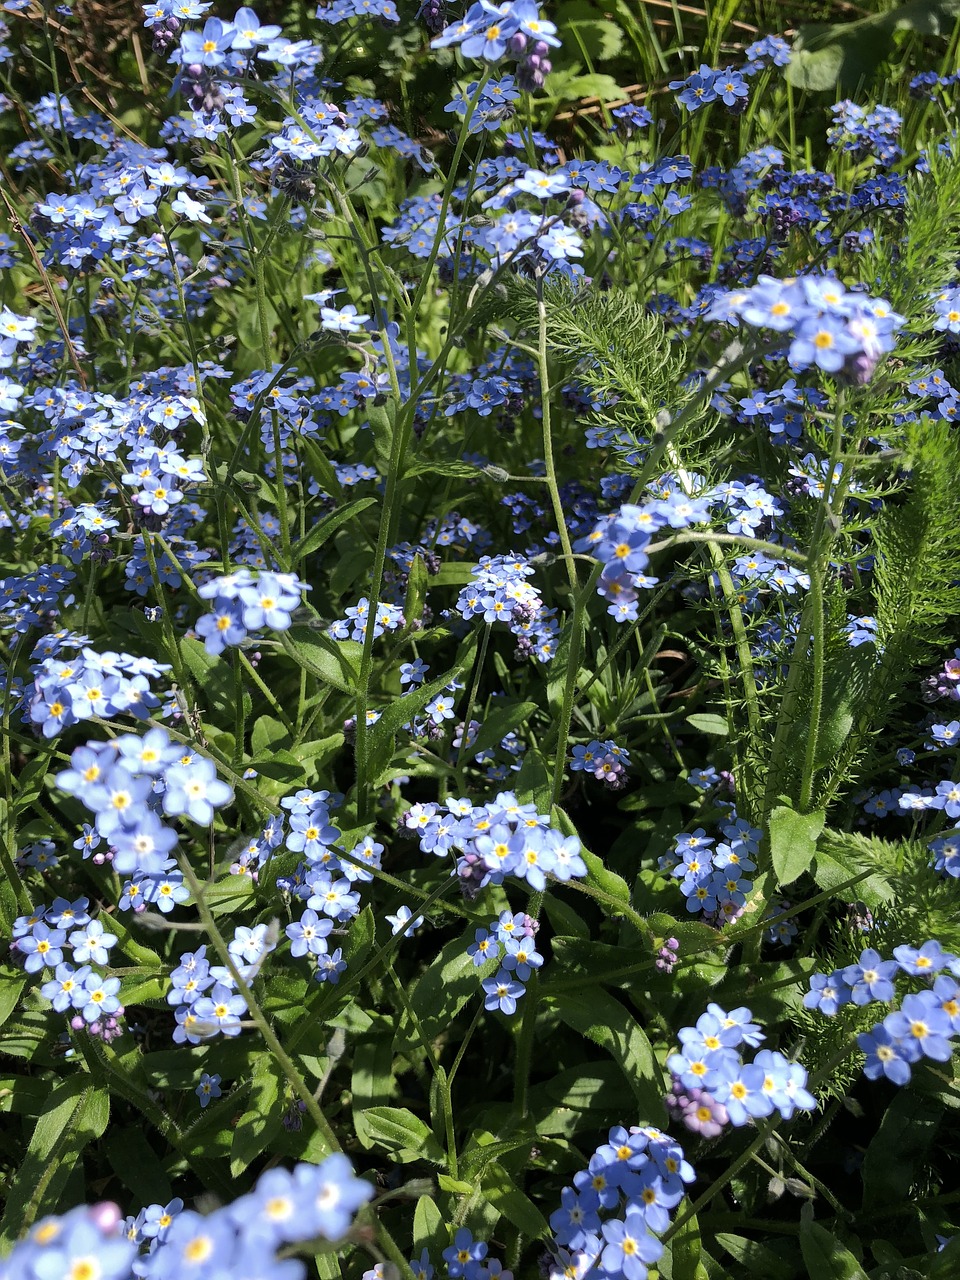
[[707, 722], [429, 1229], [899, 1149], [334, 662], [443, 990], [824, 1255], [793, 842], [501, 721], [603, 1019], [76, 1114], [500, 1189], [261, 1121], [398, 1131], [327, 527], [756, 1258], [382, 735]]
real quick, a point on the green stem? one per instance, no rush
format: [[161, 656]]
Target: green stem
[[553, 487], [285, 1062]]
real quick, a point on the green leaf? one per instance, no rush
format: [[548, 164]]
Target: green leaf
[[137, 1165], [707, 722], [899, 1148], [199, 663], [532, 783], [372, 1081], [597, 874], [570, 86], [846, 684], [816, 70], [824, 1255], [382, 736], [499, 723], [693, 935], [793, 842], [453, 573], [269, 734], [456, 1186], [335, 662], [383, 420], [398, 1131], [12, 982], [418, 580], [591, 962], [836, 866], [231, 894], [443, 990], [603, 1019], [682, 1259], [598, 37], [76, 1114], [756, 1258], [327, 527], [452, 469], [260, 1123], [847, 54], [429, 1229], [29, 785], [500, 1190]]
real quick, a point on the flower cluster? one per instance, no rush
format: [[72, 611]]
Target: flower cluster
[[706, 86], [609, 1222], [489, 32], [866, 132], [127, 783], [245, 602], [465, 1258], [40, 942], [922, 1027], [620, 541], [387, 617], [494, 840], [515, 936], [712, 1086], [283, 1209], [68, 689], [715, 880], [828, 327], [499, 592], [606, 760]]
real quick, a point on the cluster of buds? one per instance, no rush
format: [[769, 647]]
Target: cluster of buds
[[605, 760], [105, 1029], [533, 62], [434, 15], [698, 1110], [166, 34], [667, 955], [946, 683], [201, 88]]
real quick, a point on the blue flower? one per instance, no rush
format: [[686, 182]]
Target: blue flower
[[503, 992], [465, 1255], [923, 1027], [886, 1055], [97, 997], [92, 943], [827, 994], [923, 961], [331, 1196], [195, 790], [43, 948], [630, 1247], [871, 978]]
